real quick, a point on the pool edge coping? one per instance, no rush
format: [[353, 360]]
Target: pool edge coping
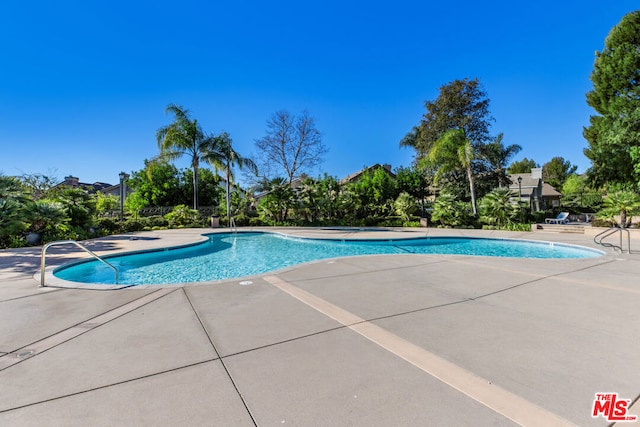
[[54, 282]]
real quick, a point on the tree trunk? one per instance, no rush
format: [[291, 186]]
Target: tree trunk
[[472, 187], [228, 176], [195, 187]]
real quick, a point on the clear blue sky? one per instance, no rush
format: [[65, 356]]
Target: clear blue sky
[[84, 84]]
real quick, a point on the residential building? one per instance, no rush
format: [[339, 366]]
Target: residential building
[[533, 190]]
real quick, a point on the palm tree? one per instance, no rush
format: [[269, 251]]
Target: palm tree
[[278, 200], [498, 157], [453, 151], [184, 137], [496, 207], [624, 203], [310, 197], [222, 156]]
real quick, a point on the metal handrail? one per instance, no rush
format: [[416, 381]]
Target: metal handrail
[[232, 225], [43, 257], [609, 232]]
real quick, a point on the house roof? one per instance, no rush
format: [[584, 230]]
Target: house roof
[[549, 191], [527, 181], [354, 176], [71, 181]]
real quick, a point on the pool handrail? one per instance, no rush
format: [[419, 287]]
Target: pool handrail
[[43, 257], [599, 238]]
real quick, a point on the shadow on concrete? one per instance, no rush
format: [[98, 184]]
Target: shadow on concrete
[[27, 260]]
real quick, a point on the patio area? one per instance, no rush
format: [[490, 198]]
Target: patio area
[[374, 340]]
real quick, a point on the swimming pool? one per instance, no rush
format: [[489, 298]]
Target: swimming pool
[[234, 255]]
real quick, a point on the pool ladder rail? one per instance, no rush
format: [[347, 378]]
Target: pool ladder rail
[[599, 239], [43, 257], [232, 225]]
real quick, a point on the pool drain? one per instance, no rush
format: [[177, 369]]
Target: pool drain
[[25, 353]]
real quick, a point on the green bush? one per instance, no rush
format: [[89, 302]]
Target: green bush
[[132, 225], [539, 216], [405, 206], [108, 226], [154, 221], [411, 224], [497, 209], [391, 221], [619, 207], [241, 220], [181, 216], [255, 222], [514, 226], [450, 212], [14, 242], [193, 225]]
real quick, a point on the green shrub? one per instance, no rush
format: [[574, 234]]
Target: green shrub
[[155, 221], [108, 225], [405, 206], [182, 216], [411, 224], [539, 216], [497, 209], [391, 221], [46, 214], [14, 242], [255, 222], [132, 225], [192, 225], [241, 220], [597, 222], [450, 212], [619, 207]]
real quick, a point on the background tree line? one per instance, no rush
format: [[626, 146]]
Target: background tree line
[[455, 154]]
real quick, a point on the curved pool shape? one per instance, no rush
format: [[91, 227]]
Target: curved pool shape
[[228, 256]]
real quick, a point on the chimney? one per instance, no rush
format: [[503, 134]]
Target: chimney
[[536, 173], [71, 180], [387, 166]]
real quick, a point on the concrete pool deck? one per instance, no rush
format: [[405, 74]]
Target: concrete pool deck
[[376, 340]]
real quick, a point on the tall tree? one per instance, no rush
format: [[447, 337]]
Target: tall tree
[[210, 191], [497, 155], [184, 137], [556, 171], [461, 104], [453, 151], [158, 184], [223, 157], [522, 166], [292, 144], [415, 183], [39, 184], [614, 132]]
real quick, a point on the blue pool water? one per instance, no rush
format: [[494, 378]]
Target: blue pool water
[[227, 256]]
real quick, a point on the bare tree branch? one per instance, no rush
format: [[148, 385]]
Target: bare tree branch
[[292, 145]]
